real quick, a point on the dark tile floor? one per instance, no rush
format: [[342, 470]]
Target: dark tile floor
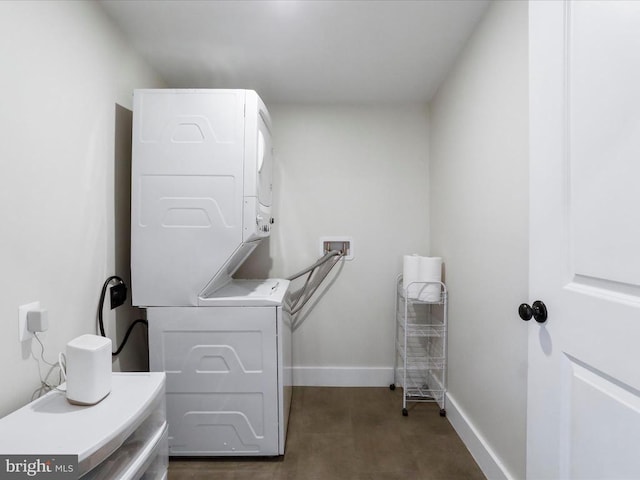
[[351, 434]]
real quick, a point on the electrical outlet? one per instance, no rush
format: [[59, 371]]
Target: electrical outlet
[[23, 332], [118, 295]]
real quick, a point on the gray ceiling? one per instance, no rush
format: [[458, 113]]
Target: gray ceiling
[[302, 51]]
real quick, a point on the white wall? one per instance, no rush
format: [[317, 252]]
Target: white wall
[[358, 171], [479, 224], [64, 186]]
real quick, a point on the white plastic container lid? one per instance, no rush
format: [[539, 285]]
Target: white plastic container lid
[[52, 426]]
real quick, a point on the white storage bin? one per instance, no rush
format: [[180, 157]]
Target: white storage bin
[[128, 428]]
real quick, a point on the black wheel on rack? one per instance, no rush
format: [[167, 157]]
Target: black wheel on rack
[[443, 412], [392, 386], [405, 412]]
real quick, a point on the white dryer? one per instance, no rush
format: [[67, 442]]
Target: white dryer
[[201, 191]]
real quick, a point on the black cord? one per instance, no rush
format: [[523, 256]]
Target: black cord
[[101, 322], [101, 304], [126, 335]]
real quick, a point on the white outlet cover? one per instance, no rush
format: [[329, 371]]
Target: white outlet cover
[[22, 319]]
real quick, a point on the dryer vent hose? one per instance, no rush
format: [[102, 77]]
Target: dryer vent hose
[[317, 272]]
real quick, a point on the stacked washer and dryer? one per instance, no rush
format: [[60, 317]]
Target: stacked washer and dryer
[[201, 203]]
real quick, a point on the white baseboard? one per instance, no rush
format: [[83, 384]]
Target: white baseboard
[[487, 460], [342, 376]]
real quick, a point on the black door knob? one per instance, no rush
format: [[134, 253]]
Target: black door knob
[[538, 311]]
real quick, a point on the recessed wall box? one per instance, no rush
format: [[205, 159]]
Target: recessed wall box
[[343, 244]]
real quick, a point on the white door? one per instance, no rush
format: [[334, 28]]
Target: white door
[[584, 362]]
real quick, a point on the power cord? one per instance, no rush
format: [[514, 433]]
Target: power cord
[[45, 384], [101, 308], [102, 295], [126, 335]]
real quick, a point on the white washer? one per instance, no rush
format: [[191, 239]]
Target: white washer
[[228, 367]]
